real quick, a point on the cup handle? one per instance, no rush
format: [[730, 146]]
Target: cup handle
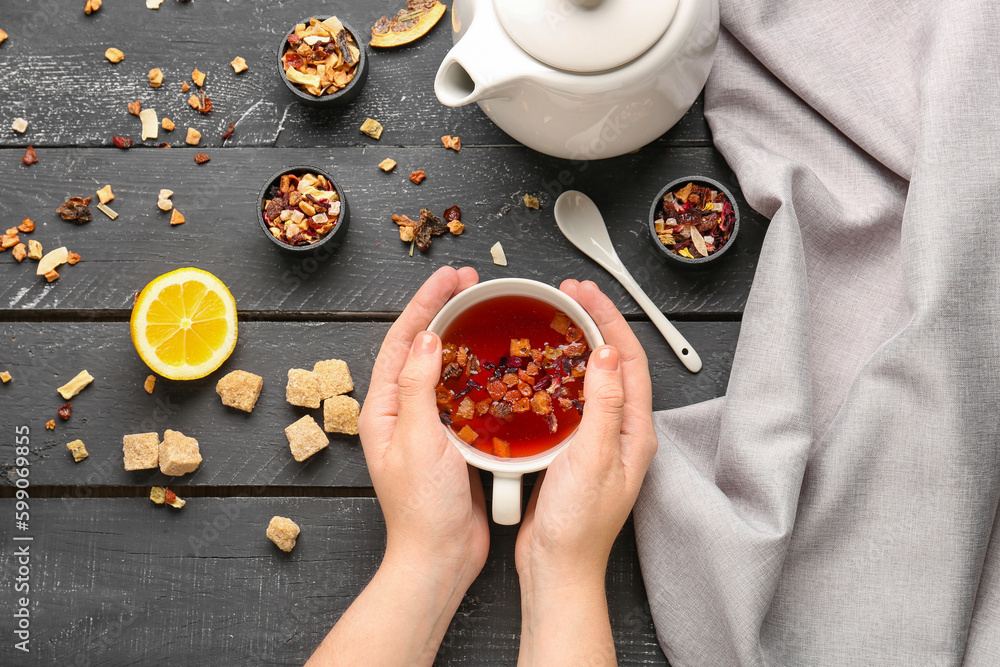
[[506, 499]]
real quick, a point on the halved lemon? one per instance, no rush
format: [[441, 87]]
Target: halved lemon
[[184, 324]]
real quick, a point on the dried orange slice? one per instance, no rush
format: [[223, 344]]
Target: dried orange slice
[[184, 324], [408, 25]]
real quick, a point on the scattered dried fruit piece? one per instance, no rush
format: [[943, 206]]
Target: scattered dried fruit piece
[[201, 158], [77, 448], [105, 194], [167, 124], [51, 424], [5, 377], [3, 37], [19, 125], [107, 210], [407, 25], [76, 209], [149, 384], [198, 77], [30, 156], [150, 124], [74, 258], [185, 86], [193, 137], [418, 176], [76, 385], [27, 225], [158, 495], [170, 498], [194, 102], [123, 143], [9, 240], [19, 252], [239, 64], [153, 4], [456, 227], [176, 218], [283, 532], [531, 201], [228, 133], [163, 200], [499, 258], [52, 260], [135, 107], [34, 249], [454, 143], [155, 77], [372, 128], [65, 411], [114, 55], [88, 9], [387, 164]]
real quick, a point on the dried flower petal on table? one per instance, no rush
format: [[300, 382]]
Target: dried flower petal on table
[[114, 55], [239, 64], [19, 125], [65, 411], [155, 77], [123, 143], [30, 157], [75, 209], [387, 164], [372, 128], [454, 143]]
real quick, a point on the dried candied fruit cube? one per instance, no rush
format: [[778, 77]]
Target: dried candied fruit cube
[[501, 448], [520, 347], [465, 410], [467, 434]]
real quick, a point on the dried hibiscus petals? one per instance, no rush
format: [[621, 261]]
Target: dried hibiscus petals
[[30, 156], [122, 142], [421, 231], [694, 221], [322, 57], [228, 133], [75, 209], [542, 380], [302, 209], [64, 411]]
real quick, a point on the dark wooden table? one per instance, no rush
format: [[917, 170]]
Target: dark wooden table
[[115, 580]]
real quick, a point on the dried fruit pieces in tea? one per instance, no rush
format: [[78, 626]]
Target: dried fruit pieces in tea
[[321, 57], [301, 209], [30, 156], [694, 221], [75, 209], [408, 24]]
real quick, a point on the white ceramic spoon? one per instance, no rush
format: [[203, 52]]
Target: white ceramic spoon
[[580, 221]]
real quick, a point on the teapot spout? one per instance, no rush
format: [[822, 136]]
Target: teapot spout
[[484, 64]]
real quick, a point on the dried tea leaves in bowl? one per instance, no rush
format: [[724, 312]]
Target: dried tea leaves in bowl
[[322, 57], [302, 209], [408, 24], [694, 221]]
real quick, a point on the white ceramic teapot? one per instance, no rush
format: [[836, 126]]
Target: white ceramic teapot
[[580, 79]]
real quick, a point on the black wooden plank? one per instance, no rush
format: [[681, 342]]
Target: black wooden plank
[[119, 582], [238, 448], [72, 96], [372, 270]]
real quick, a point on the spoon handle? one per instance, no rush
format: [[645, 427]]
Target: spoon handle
[[683, 349]]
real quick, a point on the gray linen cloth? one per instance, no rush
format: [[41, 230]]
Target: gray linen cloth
[[839, 505]]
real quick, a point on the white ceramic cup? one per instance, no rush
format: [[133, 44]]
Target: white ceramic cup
[[507, 473]]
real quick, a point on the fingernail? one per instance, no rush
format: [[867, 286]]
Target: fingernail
[[605, 359], [424, 343]]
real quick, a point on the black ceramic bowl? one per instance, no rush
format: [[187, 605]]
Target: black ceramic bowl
[[336, 235], [345, 95], [670, 255]]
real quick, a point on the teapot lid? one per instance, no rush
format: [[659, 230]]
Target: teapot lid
[[585, 35]]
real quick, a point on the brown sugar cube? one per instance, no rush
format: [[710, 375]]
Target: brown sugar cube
[[305, 438], [283, 532], [78, 450], [340, 415], [302, 388], [240, 390], [179, 454], [334, 377], [142, 451]]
